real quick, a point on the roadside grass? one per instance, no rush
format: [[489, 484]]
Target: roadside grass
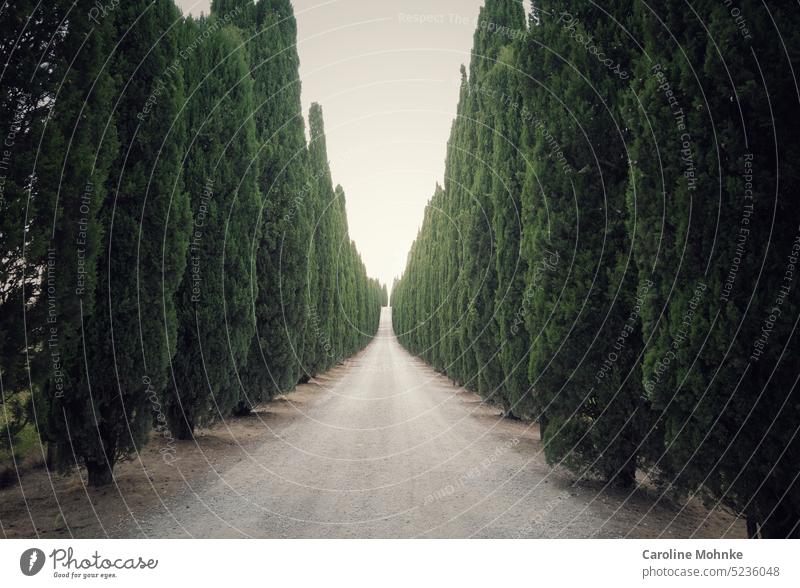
[[27, 449]]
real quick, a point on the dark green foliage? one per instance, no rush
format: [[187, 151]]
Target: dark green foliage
[[508, 174], [458, 305], [216, 298], [304, 323], [274, 363], [60, 166], [459, 357], [148, 145], [321, 309], [131, 336], [653, 299], [483, 240], [79, 145], [582, 280], [613, 251], [722, 317], [26, 209]]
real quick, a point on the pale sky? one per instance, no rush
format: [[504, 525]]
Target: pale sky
[[389, 89]]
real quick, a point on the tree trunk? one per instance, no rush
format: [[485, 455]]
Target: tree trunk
[[752, 527], [543, 420], [624, 475], [100, 474], [101, 470], [625, 478], [242, 409], [784, 523], [50, 461], [184, 429]]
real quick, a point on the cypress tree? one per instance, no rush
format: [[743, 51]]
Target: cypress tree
[[78, 147], [215, 299], [273, 364], [321, 309], [496, 25], [55, 134], [343, 279], [459, 360], [583, 361], [436, 269], [509, 168], [131, 335]]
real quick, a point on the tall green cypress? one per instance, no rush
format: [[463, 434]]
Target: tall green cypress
[[78, 147], [321, 310], [509, 167], [131, 336], [216, 297], [273, 364], [581, 278], [764, 485], [497, 24], [460, 360], [343, 281], [435, 269]]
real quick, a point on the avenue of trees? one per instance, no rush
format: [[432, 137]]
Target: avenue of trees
[[614, 250], [174, 250]]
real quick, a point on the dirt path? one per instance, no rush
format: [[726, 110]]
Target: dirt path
[[381, 447]]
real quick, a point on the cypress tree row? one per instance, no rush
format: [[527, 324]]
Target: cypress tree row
[[648, 288], [724, 308], [301, 332], [458, 323], [384, 296], [343, 304], [157, 208]]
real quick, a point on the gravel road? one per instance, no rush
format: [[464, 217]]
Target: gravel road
[[385, 447]]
